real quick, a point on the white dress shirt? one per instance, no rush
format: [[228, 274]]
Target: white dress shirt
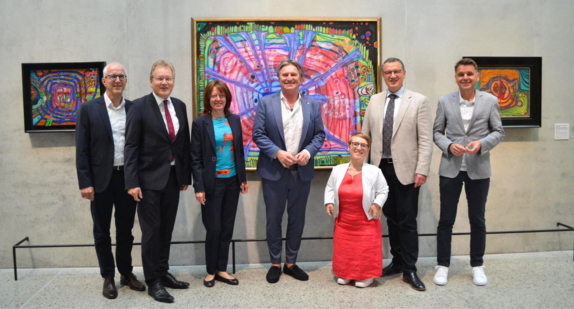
[[118, 123], [466, 109], [172, 113], [398, 100], [292, 125]]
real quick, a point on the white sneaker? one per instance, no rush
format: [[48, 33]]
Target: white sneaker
[[342, 281], [478, 275], [363, 283], [441, 276]]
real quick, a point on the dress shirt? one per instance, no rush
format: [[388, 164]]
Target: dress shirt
[[118, 123], [466, 109], [171, 109], [399, 95], [292, 125]]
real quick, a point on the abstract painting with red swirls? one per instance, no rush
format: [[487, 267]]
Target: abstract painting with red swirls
[[512, 88], [340, 59]]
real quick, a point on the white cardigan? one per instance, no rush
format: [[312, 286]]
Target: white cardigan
[[375, 188]]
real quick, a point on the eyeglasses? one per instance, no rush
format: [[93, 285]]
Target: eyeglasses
[[114, 77], [388, 73], [162, 79], [215, 96], [359, 145]]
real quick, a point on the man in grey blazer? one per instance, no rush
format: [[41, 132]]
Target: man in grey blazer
[[466, 128], [399, 124]]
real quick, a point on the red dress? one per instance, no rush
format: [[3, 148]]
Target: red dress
[[357, 241]]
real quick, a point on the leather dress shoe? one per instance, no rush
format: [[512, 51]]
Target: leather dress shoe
[[169, 281], [110, 291], [210, 283], [273, 274], [414, 281], [392, 269], [158, 292], [225, 280], [295, 272], [132, 281]]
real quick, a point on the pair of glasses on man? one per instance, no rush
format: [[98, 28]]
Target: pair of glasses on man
[[359, 145], [114, 77], [389, 73]]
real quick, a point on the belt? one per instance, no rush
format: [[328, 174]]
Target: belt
[[386, 160], [293, 167], [119, 168]]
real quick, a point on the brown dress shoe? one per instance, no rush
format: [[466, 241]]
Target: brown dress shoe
[[132, 281], [110, 291]]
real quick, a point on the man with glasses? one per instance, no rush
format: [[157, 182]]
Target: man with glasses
[[100, 139], [399, 123], [157, 169]]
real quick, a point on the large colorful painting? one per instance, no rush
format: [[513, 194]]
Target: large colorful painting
[[516, 82], [340, 58], [53, 93]]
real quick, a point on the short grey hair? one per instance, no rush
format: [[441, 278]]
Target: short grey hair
[[114, 63], [162, 63], [287, 62], [393, 60]]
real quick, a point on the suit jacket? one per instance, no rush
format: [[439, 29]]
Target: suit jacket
[[203, 152], [411, 143], [268, 135], [375, 188], [95, 144], [148, 147], [485, 126]]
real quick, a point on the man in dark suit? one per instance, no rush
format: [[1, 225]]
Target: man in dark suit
[[289, 131], [100, 139], [157, 168]]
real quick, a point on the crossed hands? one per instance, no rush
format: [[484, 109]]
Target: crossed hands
[[288, 159], [458, 150]]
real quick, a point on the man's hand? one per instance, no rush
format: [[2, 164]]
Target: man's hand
[[473, 147], [330, 209], [88, 193], [302, 158], [136, 193], [420, 180], [200, 197], [456, 149], [375, 211], [244, 188], [285, 158], [184, 188]]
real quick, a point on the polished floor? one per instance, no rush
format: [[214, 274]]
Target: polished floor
[[525, 280]]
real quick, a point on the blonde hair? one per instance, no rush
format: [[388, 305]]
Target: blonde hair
[[162, 63]]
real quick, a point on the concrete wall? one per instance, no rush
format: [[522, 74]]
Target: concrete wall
[[532, 173]]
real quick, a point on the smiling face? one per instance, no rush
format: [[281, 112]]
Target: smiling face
[[114, 86], [217, 101], [289, 79], [466, 77], [357, 148], [394, 76], [162, 81]]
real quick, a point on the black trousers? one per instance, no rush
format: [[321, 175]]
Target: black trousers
[[218, 216], [476, 194], [156, 212], [401, 210], [125, 211]]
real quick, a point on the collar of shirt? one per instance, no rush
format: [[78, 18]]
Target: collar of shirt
[[160, 100], [398, 93], [465, 102], [284, 101], [110, 104]]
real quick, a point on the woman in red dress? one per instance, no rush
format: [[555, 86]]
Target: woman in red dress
[[355, 194]]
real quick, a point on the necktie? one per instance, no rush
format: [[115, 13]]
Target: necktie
[[388, 126], [169, 123]]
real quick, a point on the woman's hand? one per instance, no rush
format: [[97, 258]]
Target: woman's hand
[[244, 188], [200, 197], [375, 211], [330, 209]]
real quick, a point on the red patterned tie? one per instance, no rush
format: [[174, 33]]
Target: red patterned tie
[[169, 123]]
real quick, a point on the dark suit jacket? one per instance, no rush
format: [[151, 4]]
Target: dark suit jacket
[[268, 136], [95, 144], [148, 147], [203, 152]]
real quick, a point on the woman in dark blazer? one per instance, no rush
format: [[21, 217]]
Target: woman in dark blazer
[[218, 168]]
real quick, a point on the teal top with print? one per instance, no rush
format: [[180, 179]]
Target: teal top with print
[[225, 166]]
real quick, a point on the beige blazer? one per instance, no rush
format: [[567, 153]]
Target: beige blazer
[[412, 141]]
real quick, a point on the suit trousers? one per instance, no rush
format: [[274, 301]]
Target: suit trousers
[[401, 210], [125, 210], [276, 193], [156, 212], [476, 194], [218, 216]]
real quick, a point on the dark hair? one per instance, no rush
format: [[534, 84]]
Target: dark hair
[[465, 61], [222, 87], [392, 60], [287, 62], [361, 135]]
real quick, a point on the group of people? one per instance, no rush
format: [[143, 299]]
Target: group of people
[[140, 155]]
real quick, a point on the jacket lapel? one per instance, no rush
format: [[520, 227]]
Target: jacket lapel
[[382, 112], [477, 108], [105, 117], [210, 131], [180, 117], [306, 110], [155, 107], [405, 101], [455, 106], [276, 103]]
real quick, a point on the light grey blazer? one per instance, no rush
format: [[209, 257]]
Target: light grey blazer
[[485, 126], [375, 188]]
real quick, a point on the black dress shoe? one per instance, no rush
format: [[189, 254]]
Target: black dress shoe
[[158, 292], [210, 283], [225, 280], [392, 269], [110, 291], [169, 281], [414, 281], [295, 272], [132, 281], [273, 274]]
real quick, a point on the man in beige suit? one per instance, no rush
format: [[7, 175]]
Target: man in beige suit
[[399, 123]]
